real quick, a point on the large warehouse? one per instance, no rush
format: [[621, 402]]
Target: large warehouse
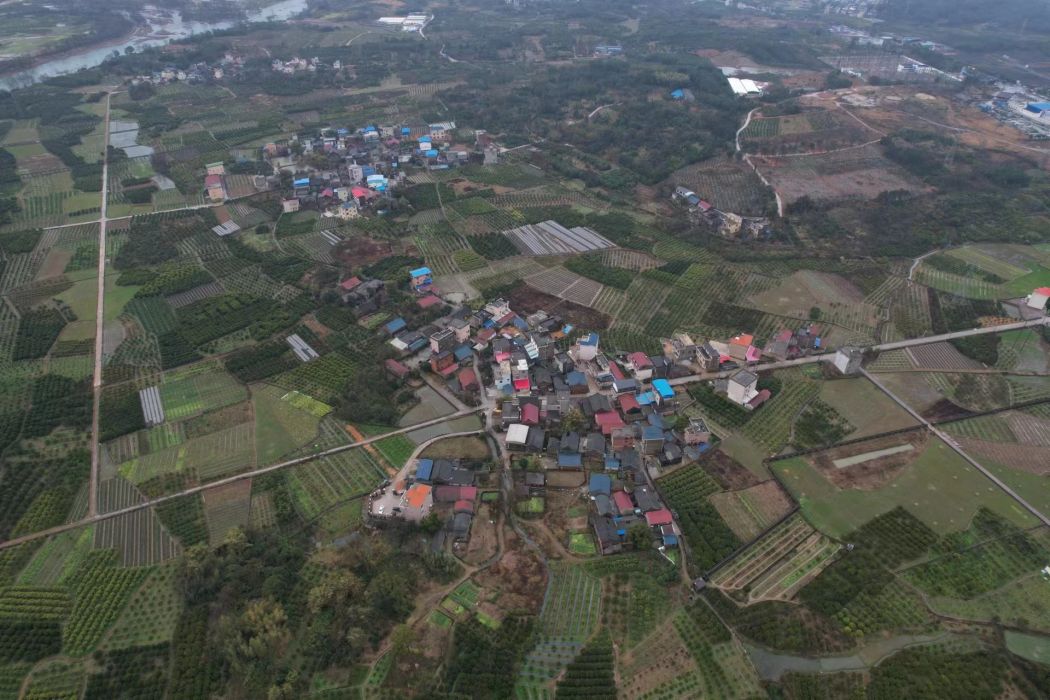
[[1042, 109]]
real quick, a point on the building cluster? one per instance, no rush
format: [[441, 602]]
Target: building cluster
[[563, 404], [361, 168], [303, 65], [441, 487], [1025, 110], [413, 22], [726, 223], [198, 73]]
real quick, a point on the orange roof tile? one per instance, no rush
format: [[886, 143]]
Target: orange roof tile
[[417, 495]]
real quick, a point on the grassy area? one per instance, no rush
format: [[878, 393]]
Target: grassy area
[[939, 488]]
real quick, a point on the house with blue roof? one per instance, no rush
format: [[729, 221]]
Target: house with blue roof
[[652, 439], [663, 388], [421, 278], [570, 460], [599, 484], [424, 469], [395, 326]]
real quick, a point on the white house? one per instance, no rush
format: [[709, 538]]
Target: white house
[[1038, 298], [517, 436], [587, 347], [847, 359], [742, 387]]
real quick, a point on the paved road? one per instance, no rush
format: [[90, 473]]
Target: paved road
[[99, 321], [97, 517], [880, 347], [955, 446]]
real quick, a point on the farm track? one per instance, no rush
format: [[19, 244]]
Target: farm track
[[96, 383]]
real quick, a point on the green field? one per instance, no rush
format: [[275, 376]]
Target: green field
[[1029, 646], [281, 427], [939, 488]]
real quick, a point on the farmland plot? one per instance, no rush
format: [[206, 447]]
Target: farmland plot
[[196, 294], [151, 615], [940, 356], [727, 184], [227, 507], [749, 511], [222, 453], [322, 483], [569, 616], [139, 537], [861, 171]]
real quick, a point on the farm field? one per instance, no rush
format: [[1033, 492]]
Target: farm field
[[861, 172], [329, 481], [749, 511], [938, 487], [865, 407], [777, 565], [568, 618]]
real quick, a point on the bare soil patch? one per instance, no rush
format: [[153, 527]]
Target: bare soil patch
[[945, 409], [362, 250], [461, 185], [483, 539], [527, 299], [562, 479], [874, 473], [730, 474], [519, 577], [317, 327], [55, 263], [856, 172]]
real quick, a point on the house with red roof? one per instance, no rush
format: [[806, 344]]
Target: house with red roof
[[349, 285], [216, 187], [640, 365], [608, 421], [530, 414], [468, 381], [632, 410], [429, 301], [655, 518], [396, 370], [622, 501]]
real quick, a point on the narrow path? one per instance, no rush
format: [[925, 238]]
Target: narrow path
[[99, 517], [957, 449], [100, 292], [916, 261], [598, 109]]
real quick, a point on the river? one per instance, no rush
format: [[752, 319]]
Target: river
[[162, 27]]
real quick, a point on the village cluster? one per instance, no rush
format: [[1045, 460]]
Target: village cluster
[[562, 406], [342, 172]]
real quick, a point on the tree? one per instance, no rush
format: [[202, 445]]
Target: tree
[[430, 524], [335, 589], [255, 637], [400, 639], [639, 536], [573, 421]]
